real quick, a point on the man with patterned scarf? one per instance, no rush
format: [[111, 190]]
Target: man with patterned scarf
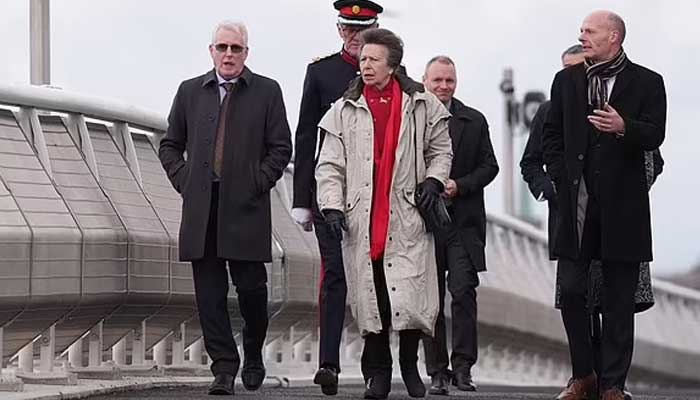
[[605, 115]]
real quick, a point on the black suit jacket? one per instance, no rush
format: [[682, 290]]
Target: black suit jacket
[[639, 97], [473, 167], [257, 149]]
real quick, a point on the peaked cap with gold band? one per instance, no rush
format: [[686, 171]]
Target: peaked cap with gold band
[[357, 12]]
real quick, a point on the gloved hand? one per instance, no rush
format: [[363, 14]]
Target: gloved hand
[[428, 193], [303, 217], [335, 220], [549, 191]]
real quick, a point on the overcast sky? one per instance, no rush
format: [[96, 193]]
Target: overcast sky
[[138, 51]]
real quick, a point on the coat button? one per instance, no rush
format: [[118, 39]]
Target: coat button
[[389, 265], [206, 164], [390, 238], [349, 205], [397, 313], [211, 118], [580, 157], [207, 141], [393, 289], [204, 188], [575, 182]]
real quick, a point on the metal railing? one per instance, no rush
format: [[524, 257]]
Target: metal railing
[[89, 271]]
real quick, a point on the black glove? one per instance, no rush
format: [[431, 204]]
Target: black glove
[[549, 191], [428, 193], [335, 220]]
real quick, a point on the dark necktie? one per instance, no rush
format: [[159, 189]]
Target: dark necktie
[[221, 130]]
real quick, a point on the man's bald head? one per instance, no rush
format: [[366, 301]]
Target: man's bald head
[[602, 34]]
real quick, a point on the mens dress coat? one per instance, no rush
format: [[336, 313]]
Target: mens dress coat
[[257, 149], [473, 167], [537, 178], [326, 80], [639, 97]]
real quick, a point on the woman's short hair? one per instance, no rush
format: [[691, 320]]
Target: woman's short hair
[[389, 40]]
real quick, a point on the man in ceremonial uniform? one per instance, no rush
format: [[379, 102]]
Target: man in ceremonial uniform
[[326, 80]]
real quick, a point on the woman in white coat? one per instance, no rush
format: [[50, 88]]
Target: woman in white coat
[[386, 138]]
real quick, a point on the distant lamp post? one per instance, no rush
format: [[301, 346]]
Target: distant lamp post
[[39, 42], [518, 119], [531, 103]]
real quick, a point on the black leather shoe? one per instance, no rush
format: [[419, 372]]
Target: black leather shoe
[[378, 386], [463, 381], [222, 385], [412, 380], [439, 385], [327, 377], [253, 376]]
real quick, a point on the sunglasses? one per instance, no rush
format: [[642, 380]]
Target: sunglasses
[[235, 49]]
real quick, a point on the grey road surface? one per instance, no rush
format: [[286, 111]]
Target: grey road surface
[[355, 392]]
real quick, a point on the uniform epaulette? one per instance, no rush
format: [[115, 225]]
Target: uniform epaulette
[[317, 59]]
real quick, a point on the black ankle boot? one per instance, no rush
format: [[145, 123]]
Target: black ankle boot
[[378, 386], [412, 380]]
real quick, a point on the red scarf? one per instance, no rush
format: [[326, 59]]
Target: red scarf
[[385, 107]]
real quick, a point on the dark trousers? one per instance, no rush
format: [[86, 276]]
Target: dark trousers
[[332, 294], [619, 285], [376, 354], [462, 281], [211, 290]]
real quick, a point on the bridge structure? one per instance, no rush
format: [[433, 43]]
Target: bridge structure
[[91, 286]]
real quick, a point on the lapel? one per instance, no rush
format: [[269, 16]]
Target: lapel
[[622, 81], [580, 104], [457, 122], [211, 98]]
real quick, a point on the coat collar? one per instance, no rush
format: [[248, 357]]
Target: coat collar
[[460, 117], [623, 79], [407, 85], [210, 77]]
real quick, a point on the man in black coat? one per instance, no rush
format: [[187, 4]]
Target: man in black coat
[[460, 247], [326, 80], [233, 126], [604, 115], [532, 164]]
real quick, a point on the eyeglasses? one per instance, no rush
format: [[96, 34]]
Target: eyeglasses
[[235, 48], [352, 30]]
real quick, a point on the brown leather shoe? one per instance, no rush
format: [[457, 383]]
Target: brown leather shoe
[[613, 394], [580, 389]]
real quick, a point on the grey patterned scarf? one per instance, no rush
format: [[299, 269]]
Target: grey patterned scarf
[[598, 73]]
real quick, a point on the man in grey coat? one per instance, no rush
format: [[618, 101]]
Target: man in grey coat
[[233, 126]]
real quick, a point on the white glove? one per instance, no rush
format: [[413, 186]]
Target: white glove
[[303, 217]]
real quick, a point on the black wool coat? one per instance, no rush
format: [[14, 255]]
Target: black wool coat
[[534, 173], [473, 167], [257, 149], [639, 97]]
